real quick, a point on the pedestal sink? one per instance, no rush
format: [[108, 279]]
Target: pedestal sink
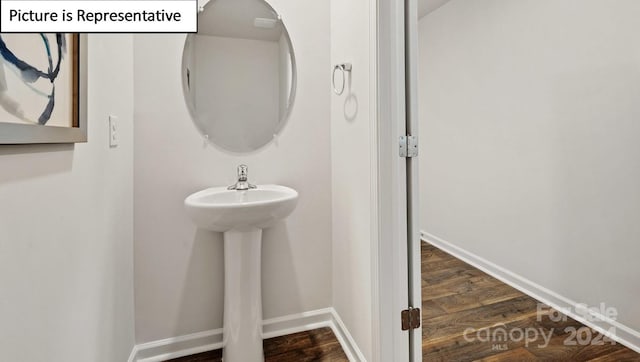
[[241, 216]]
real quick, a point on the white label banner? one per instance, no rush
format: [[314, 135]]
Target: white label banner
[[99, 16]]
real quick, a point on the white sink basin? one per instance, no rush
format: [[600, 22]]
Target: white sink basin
[[241, 216], [219, 209]]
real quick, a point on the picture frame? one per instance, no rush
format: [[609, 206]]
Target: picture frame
[[68, 122]]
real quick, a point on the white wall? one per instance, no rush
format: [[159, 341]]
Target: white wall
[[66, 230], [529, 136], [179, 269], [352, 125]]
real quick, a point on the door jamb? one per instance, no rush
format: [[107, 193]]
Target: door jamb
[[390, 266]]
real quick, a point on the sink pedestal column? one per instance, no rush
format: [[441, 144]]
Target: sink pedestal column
[[242, 296]]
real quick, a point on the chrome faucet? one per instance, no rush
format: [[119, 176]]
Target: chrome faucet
[[242, 184]]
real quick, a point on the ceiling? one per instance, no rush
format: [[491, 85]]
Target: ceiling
[[234, 18], [427, 6]]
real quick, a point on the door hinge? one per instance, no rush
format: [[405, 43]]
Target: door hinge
[[408, 146], [410, 318]]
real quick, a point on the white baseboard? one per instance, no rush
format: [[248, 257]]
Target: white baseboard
[[175, 347], [623, 334], [132, 355], [349, 345]]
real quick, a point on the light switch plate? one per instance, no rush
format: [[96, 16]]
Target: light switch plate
[[113, 131]]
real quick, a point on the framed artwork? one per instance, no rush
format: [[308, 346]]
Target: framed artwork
[[42, 88]]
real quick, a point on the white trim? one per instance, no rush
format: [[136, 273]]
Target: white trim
[[390, 255], [623, 334], [132, 355], [347, 342], [294, 323], [376, 323], [413, 181], [174, 347]]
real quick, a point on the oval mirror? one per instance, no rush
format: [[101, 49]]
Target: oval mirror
[[239, 74]]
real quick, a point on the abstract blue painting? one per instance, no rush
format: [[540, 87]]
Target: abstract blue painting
[[39, 79]]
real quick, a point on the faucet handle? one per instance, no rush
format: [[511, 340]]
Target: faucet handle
[[243, 170], [242, 184]]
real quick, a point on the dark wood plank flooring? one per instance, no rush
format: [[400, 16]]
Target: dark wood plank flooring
[[316, 345], [457, 296]]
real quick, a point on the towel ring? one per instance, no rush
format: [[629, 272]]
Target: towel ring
[[345, 67]]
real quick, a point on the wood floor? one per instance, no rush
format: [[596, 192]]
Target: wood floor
[[316, 345], [457, 296]]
